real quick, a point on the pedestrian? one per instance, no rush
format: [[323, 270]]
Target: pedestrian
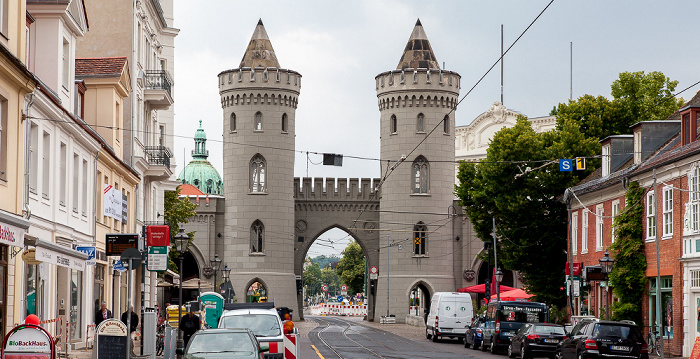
[[102, 314], [134, 319], [189, 324]]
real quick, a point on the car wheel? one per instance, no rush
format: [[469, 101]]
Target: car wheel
[[475, 345], [580, 355], [558, 355], [483, 346], [523, 353], [493, 348], [466, 342], [435, 337], [510, 351]]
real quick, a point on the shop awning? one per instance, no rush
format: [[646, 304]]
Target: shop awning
[[53, 253], [12, 229]]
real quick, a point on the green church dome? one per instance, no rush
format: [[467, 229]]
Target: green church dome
[[199, 172]]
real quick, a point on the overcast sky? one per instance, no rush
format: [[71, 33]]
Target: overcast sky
[[340, 46]]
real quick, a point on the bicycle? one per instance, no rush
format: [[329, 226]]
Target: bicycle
[[653, 339], [160, 340]]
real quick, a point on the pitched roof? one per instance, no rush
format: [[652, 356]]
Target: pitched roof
[[259, 52], [100, 66], [418, 53], [190, 190]]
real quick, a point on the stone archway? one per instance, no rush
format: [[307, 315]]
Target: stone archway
[[424, 292], [259, 290]]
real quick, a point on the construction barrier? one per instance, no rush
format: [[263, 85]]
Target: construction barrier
[[338, 309], [291, 349], [89, 335]]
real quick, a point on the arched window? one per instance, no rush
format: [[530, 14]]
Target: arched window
[[258, 121], [394, 124], [421, 173], [209, 185], [420, 236], [446, 124], [232, 123], [257, 237], [419, 123], [284, 122], [257, 174]]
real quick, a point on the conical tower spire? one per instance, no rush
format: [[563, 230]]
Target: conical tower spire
[[259, 52], [418, 53]]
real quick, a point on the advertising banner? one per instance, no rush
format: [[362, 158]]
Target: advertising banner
[[113, 203], [11, 235], [90, 251]]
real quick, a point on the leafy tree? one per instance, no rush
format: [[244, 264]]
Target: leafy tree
[[312, 277], [177, 210], [628, 277], [530, 221], [329, 276], [351, 268], [636, 97]]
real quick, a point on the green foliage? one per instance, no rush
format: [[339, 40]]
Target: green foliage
[[530, 222], [558, 315], [312, 277], [351, 268], [636, 97], [324, 261], [177, 210], [628, 277]]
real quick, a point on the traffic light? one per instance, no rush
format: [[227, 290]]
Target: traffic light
[[300, 286], [372, 285], [487, 289]]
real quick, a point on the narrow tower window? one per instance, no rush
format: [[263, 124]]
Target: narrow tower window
[[419, 123], [284, 122], [446, 124], [394, 124], [232, 124], [420, 236], [258, 121], [421, 171], [257, 237], [257, 174]]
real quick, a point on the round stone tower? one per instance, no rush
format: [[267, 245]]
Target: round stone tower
[[417, 102], [259, 100]]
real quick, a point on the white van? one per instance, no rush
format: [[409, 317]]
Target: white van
[[450, 314]]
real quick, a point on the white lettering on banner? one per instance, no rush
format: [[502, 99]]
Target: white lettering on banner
[[113, 203], [49, 256], [11, 235]]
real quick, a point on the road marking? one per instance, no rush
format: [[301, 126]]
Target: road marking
[[319, 354]]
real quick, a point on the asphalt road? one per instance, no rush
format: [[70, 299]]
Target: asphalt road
[[340, 337]]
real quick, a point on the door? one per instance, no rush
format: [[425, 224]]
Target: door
[[448, 314]]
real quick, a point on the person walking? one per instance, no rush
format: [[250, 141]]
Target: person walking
[[102, 314], [189, 324], [134, 319]]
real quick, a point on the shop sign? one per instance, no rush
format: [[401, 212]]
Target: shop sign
[[118, 242], [11, 235], [49, 256], [28, 340], [119, 267], [158, 236], [90, 251], [29, 257]]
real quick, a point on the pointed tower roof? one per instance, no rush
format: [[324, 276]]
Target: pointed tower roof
[[418, 53], [259, 52]]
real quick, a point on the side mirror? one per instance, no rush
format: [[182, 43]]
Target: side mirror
[[180, 351], [264, 347]]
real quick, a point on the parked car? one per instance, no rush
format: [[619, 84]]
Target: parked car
[[536, 339], [474, 335], [450, 313], [594, 339], [223, 343], [262, 319], [504, 319]]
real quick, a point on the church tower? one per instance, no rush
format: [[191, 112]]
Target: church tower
[[417, 104], [259, 100]]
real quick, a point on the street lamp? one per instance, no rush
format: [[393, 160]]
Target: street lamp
[[499, 278], [226, 274], [606, 266], [181, 242], [215, 264]]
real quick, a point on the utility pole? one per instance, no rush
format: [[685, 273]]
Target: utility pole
[[567, 196], [387, 275], [495, 259]]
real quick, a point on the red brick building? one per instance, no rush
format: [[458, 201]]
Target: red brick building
[[664, 158]]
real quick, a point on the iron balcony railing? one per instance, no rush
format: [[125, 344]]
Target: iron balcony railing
[[158, 80], [158, 155]]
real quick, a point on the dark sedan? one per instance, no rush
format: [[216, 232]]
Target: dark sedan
[[536, 339], [604, 339], [474, 335]]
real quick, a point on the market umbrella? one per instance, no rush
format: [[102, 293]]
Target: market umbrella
[[514, 294], [479, 288]]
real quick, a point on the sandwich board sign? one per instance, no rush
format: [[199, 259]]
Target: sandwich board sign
[[28, 341], [110, 340]]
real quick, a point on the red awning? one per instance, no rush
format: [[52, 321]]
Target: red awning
[[514, 294], [479, 288]]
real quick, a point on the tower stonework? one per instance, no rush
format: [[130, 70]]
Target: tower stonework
[[415, 99], [259, 100]]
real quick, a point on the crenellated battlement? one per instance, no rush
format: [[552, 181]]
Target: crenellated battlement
[[334, 189], [418, 79], [257, 77]]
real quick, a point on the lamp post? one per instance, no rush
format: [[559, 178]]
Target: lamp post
[[215, 264], [606, 266], [226, 274], [499, 278], [181, 242]]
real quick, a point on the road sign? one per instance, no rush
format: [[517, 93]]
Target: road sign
[[324, 288], [417, 240], [340, 299], [566, 165], [373, 272], [157, 260], [134, 255], [580, 164], [343, 288]]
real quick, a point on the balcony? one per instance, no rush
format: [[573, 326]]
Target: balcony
[[158, 158], [157, 89]]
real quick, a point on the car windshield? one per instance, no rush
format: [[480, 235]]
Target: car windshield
[[549, 329], [522, 314], [262, 325], [220, 343], [616, 331]]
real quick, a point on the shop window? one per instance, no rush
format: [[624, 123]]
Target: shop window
[[32, 281], [666, 292], [76, 304]]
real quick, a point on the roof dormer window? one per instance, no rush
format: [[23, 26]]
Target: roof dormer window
[[606, 160]]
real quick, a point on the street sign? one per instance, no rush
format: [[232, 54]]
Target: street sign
[[340, 299], [119, 267], [134, 255], [566, 165], [343, 288], [580, 163], [373, 272], [157, 259], [118, 242], [324, 288], [90, 251]]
